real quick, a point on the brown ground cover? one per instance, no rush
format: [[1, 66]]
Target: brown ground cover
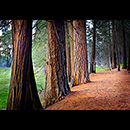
[[108, 90]]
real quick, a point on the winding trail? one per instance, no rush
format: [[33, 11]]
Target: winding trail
[[108, 90]]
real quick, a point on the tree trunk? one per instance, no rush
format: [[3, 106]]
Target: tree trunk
[[7, 62], [70, 27], [93, 49], [117, 43], [56, 85], [117, 55], [113, 47], [23, 92], [107, 53], [129, 54], [108, 47], [124, 49], [80, 53], [68, 58]]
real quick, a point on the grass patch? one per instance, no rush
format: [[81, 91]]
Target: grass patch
[[5, 74], [99, 68]]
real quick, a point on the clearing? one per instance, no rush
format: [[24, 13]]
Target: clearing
[[108, 90]]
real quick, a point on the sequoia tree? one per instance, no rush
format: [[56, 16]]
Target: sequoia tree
[[129, 54], [93, 49], [22, 92], [80, 53], [70, 27], [124, 46], [56, 85], [113, 47], [68, 55]]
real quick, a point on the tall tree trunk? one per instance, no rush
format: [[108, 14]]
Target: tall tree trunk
[[117, 43], [80, 52], [70, 27], [7, 61], [124, 48], [107, 53], [56, 85], [129, 54], [108, 47], [93, 49], [117, 55], [68, 58], [113, 47], [22, 92]]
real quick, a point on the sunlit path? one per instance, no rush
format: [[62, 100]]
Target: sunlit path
[[108, 90]]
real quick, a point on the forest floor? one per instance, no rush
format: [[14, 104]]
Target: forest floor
[[108, 90]]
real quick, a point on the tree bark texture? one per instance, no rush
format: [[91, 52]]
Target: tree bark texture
[[117, 55], [80, 53], [124, 47], [108, 47], [129, 54], [113, 47], [117, 44], [68, 58], [56, 85], [93, 49], [22, 92], [70, 28], [107, 53]]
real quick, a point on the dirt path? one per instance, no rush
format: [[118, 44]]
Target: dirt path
[[108, 90]]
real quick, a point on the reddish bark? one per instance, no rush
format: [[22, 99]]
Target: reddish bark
[[80, 53], [22, 92], [56, 86]]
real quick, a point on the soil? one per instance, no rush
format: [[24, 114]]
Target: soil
[[108, 90]]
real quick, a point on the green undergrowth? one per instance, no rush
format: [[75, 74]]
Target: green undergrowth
[[4, 86], [100, 68]]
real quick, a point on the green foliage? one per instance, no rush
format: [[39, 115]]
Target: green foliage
[[39, 53], [4, 25], [6, 49]]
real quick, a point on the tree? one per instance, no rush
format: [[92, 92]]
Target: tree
[[129, 54], [80, 53], [108, 45], [70, 27], [117, 42], [93, 49], [124, 48], [68, 55], [56, 85], [113, 47], [22, 92]]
